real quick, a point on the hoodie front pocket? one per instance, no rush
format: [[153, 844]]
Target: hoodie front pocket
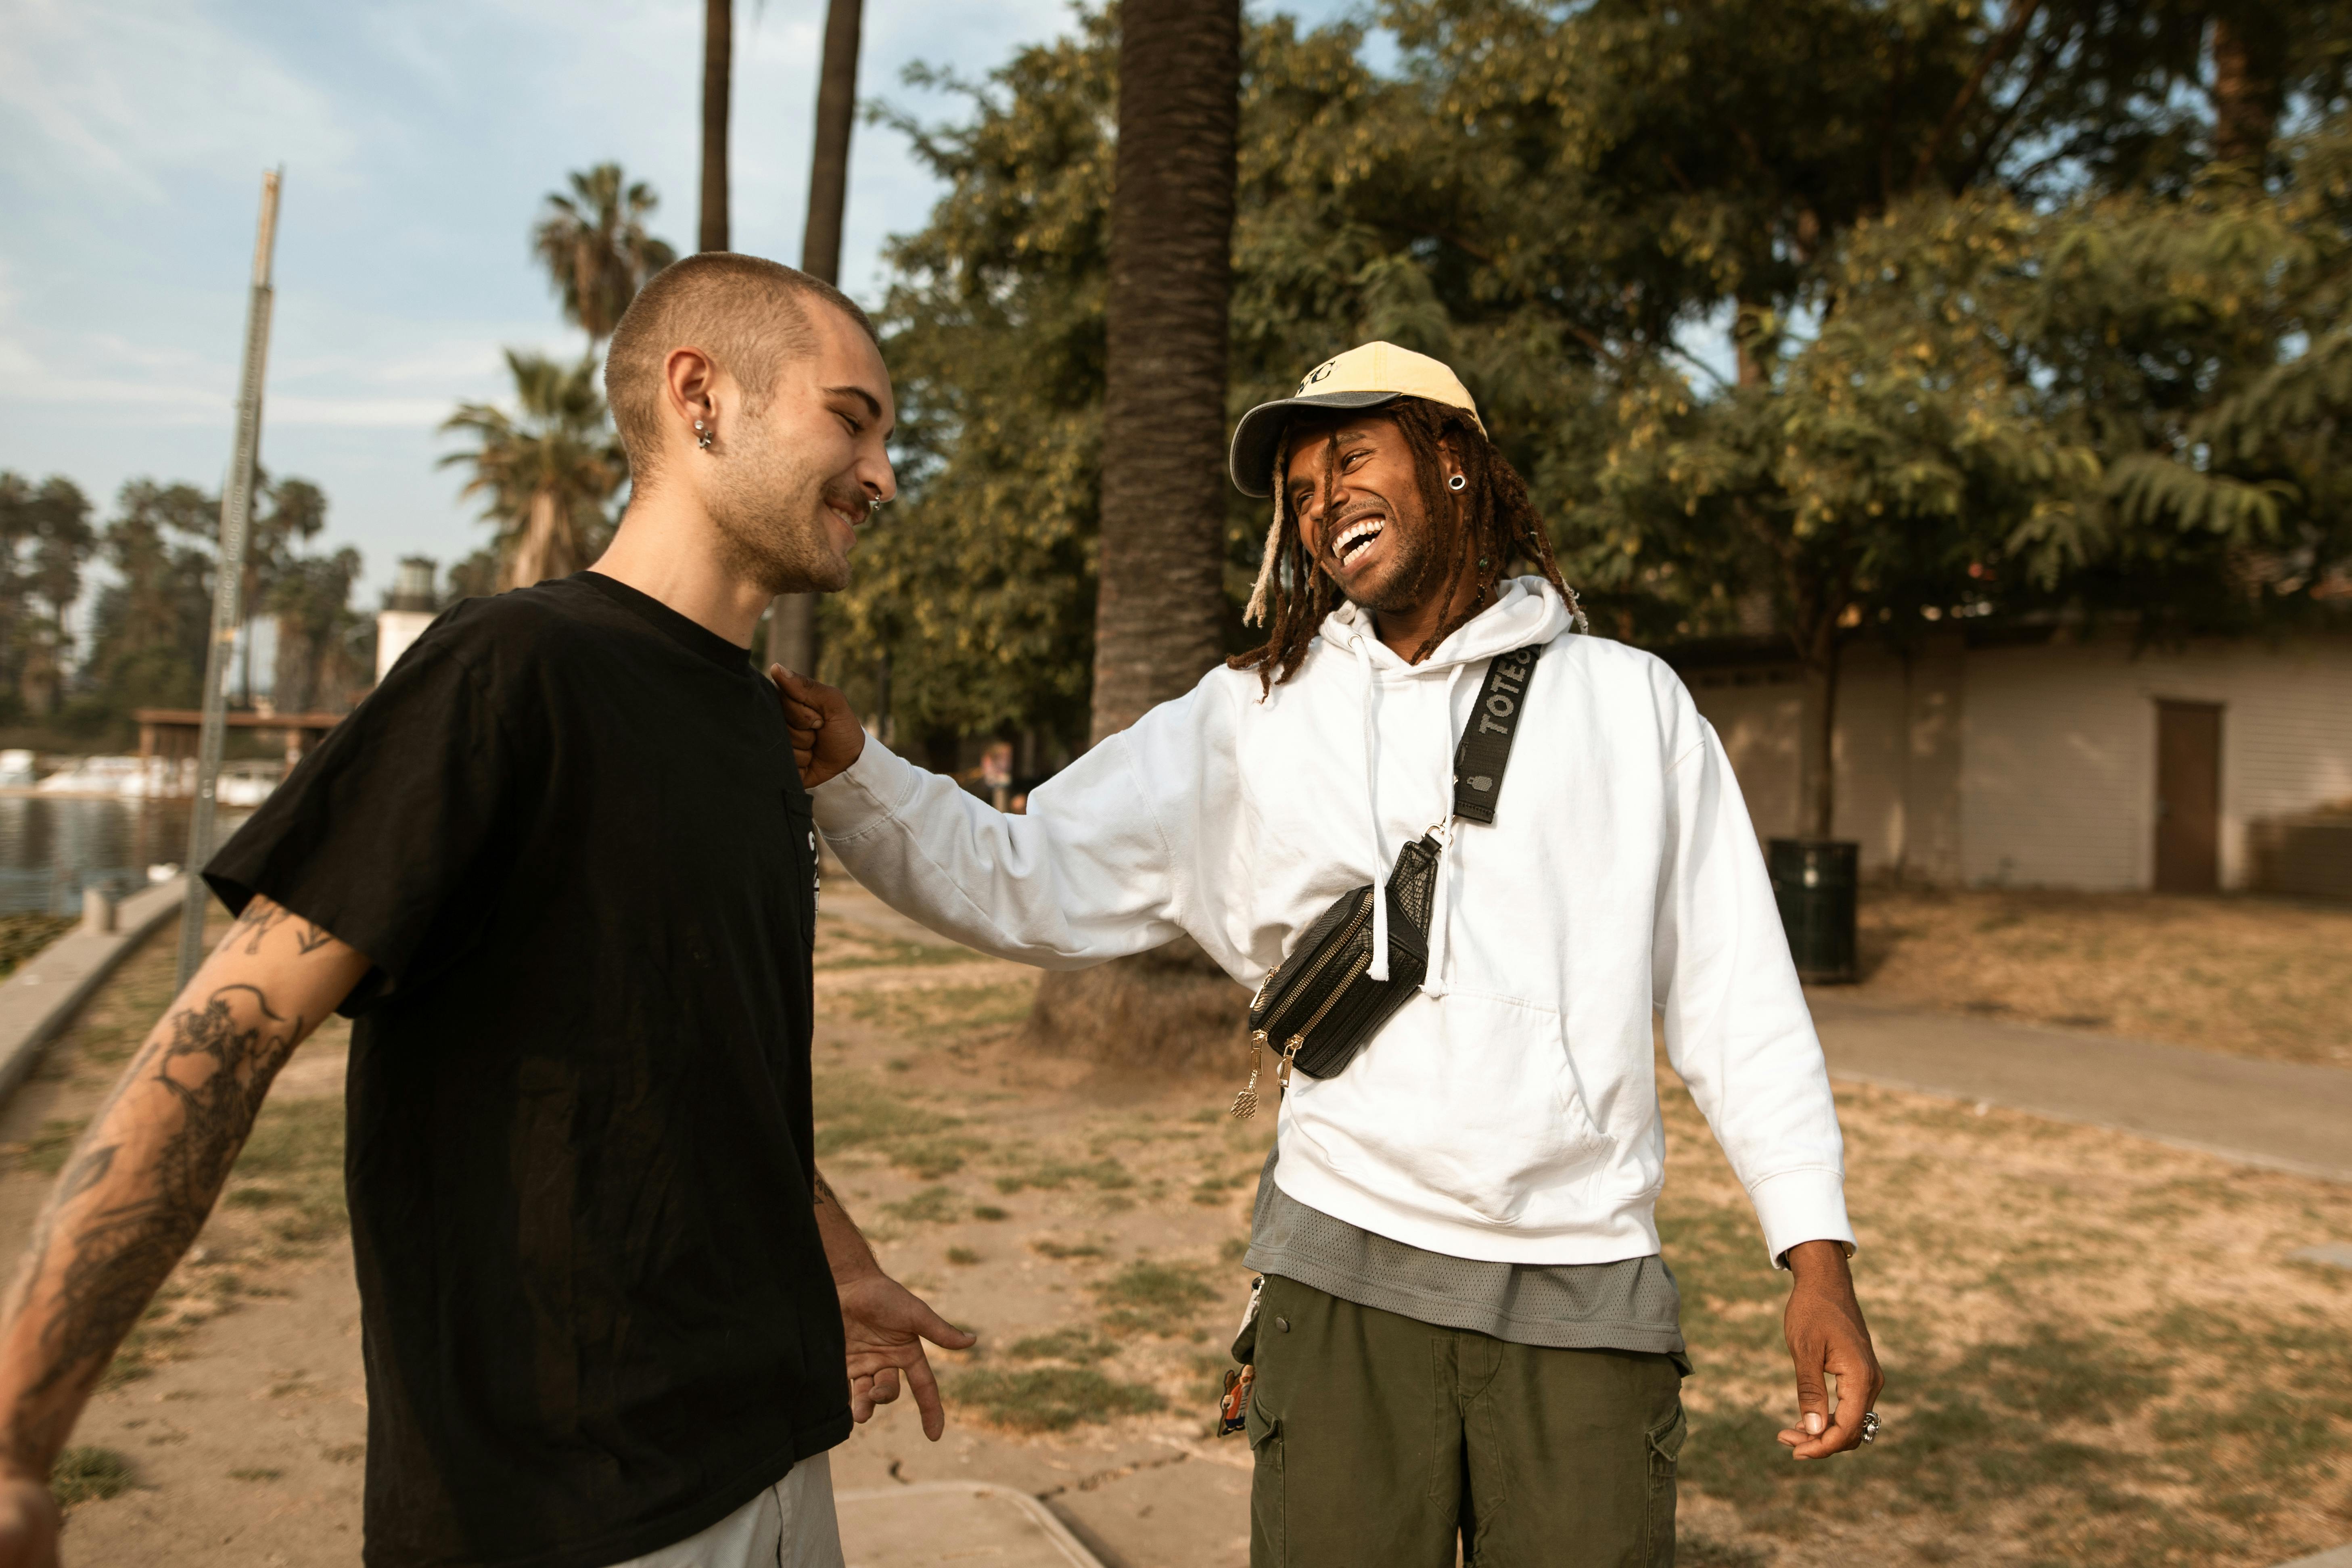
[[1482, 1104]]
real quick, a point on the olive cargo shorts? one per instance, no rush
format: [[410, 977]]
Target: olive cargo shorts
[[1380, 1441]]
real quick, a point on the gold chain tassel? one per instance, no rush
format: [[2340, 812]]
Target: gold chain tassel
[[1246, 1102]]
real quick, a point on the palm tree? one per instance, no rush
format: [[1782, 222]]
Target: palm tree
[[595, 247], [717, 72], [792, 624], [1161, 605], [547, 473]]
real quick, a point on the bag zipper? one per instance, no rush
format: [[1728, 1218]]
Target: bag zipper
[[1290, 1046], [1331, 950]]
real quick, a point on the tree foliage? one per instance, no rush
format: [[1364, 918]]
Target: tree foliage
[[46, 539], [2030, 305], [595, 247], [544, 471]]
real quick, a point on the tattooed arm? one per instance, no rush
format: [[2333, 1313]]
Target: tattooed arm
[[883, 1323], [140, 1186]]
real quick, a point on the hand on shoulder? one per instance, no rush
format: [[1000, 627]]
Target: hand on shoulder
[[826, 735]]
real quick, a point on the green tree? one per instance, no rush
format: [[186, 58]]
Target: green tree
[[325, 648], [595, 247], [46, 539], [545, 471], [152, 625]]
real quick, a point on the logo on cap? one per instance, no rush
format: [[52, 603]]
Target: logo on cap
[[1318, 373]]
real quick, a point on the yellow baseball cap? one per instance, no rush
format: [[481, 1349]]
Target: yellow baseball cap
[[1363, 377]]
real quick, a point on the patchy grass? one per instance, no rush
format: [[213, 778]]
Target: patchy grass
[[2095, 1349], [291, 1171], [932, 1205], [2254, 977], [963, 1257], [89, 1475], [23, 936], [990, 1212], [1051, 1398], [921, 1010], [1151, 1298], [1104, 1175], [858, 1110], [1073, 1344], [1047, 1246], [846, 944], [44, 1153]]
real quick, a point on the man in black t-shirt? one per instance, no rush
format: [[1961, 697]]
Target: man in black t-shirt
[[610, 1311]]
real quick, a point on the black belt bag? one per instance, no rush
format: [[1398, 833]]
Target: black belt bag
[[1319, 1006]]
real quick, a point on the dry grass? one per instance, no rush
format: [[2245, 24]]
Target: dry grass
[[2100, 1351], [2254, 977]]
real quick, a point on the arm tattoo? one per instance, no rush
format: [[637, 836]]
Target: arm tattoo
[[824, 1193], [217, 1066], [261, 918]]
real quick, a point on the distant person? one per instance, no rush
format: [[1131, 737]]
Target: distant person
[[559, 869], [1465, 1332]]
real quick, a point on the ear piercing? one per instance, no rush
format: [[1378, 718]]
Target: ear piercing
[[702, 434], [1457, 484]]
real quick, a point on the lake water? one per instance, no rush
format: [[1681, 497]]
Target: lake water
[[53, 847]]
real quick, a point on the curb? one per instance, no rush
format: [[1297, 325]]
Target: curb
[[1048, 1522], [2340, 1558], [41, 998]]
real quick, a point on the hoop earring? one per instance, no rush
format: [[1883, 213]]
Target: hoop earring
[[702, 434], [1457, 484]]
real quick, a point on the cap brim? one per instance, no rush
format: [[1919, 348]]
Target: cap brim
[[1259, 433]]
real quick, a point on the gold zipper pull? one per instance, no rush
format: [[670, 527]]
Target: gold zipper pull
[[1289, 1055], [1246, 1102]]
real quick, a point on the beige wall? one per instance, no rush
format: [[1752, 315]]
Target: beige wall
[[2035, 765]]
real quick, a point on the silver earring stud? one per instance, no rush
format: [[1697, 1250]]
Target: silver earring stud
[[1457, 484], [702, 435]]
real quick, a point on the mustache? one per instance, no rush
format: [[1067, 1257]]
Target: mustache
[[851, 499]]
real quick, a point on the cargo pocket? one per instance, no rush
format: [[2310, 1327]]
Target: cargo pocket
[[1665, 1446], [1265, 1487]]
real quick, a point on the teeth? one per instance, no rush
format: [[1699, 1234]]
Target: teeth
[[1370, 529]]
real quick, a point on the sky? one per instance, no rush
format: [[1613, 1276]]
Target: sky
[[419, 138]]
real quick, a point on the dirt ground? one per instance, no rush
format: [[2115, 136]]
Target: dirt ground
[[2099, 1350], [2254, 977]]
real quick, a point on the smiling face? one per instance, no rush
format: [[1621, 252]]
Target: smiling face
[[804, 465], [1356, 490]]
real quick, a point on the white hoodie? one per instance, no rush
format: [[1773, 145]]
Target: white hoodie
[[1509, 1112]]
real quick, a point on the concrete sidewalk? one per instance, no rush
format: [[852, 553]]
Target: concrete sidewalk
[[2275, 1114]]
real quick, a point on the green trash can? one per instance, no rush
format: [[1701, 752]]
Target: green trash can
[[1813, 882]]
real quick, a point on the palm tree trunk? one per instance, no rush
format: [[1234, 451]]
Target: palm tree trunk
[[791, 626], [536, 550], [2249, 49], [1159, 609], [717, 72]]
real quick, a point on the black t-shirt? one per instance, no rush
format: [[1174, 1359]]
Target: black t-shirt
[[567, 832]]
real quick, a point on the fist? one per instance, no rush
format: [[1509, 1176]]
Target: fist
[[826, 736]]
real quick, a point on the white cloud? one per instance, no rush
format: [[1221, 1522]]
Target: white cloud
[[121, 97]]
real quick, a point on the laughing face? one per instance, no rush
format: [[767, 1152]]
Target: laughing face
[[807, 468], [1356, 492]]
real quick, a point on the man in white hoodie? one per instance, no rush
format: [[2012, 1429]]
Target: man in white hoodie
[[1466, 1331]]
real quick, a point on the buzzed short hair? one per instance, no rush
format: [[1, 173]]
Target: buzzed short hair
[[750, 314]]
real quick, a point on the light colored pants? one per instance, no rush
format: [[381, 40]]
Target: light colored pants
[[789, 1525]]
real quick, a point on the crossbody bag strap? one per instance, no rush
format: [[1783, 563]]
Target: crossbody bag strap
[[1486, 748]]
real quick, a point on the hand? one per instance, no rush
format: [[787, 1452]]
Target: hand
[[885, 1325], [28, 1523], [826, 736], [1827, 1338]]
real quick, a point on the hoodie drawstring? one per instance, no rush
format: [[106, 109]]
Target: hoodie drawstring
[[1433, 984], [1380, 969]]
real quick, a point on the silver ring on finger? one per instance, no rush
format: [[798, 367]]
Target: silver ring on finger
[[1869, 1425]]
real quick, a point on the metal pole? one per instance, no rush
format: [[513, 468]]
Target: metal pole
[[228, 580]]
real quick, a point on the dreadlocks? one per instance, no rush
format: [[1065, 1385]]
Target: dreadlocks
[[1485, 528]]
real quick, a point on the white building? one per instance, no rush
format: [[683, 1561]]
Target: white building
[[2032, 757]]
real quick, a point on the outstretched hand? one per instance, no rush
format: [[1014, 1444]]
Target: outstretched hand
[[1827, 1338], [826, 736], [886, 1324]]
